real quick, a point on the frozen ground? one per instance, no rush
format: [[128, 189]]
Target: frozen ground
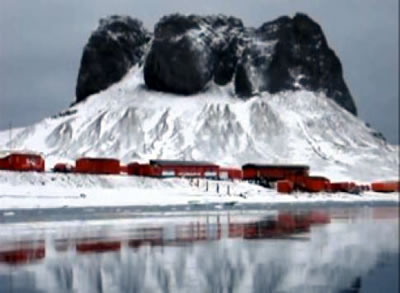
[[49, 190]]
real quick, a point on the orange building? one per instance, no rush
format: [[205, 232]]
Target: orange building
[[230, 173], [97, 166], [21, 161]]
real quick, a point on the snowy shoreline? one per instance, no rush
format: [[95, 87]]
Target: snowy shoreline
[[50, 190]]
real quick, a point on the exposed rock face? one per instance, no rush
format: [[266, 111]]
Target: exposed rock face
[[288, 54], [285, 54], [117, 44], [188, 52]]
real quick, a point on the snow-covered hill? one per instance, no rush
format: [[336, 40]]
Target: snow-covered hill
[[132, 123]]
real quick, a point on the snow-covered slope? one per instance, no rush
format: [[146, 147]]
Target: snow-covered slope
[[130, 122]]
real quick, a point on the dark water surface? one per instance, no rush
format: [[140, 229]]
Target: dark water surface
[[195, 249]]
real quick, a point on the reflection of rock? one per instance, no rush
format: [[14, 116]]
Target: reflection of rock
[[116, 45]]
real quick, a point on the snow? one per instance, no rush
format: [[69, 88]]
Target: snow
[[130, 122], [48, 190]]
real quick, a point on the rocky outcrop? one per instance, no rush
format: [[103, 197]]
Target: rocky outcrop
[[113, 48], [290, 54], [286, 54], [189, 52]]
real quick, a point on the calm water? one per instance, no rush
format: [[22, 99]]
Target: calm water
[[335, 249]]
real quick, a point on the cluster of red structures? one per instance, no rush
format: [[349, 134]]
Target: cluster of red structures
[[289, 178], [286, 178]]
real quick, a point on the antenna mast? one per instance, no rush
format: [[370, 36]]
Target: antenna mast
[[10, 133]]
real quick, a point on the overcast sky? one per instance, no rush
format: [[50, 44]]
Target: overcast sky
[[41, 43]]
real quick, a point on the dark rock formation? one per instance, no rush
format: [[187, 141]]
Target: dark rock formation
[[117, 44], [188, 52], [285, 54], [290, 54], [181, 58]]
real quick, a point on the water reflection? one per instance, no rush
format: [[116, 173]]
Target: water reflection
[[274, 251]]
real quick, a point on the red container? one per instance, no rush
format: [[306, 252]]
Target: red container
[[133, 168], [316, 184], [63, 168], [97, 166], [22, 162], [386, 186], [342, 186], [284, 186]]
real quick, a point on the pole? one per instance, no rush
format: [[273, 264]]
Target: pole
[[10, 135]]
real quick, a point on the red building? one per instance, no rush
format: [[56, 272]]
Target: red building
[[146, 170], [342, 186], [386, 186], [230, 173], [97, 166], [272, 173], [169, 168], [316, 184], [284, 186], [63, 168], [22, 162]]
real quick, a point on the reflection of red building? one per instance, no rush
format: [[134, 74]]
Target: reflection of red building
[[386, 213], [22, 255], [98, 246], [22, 162], [282, 225]]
